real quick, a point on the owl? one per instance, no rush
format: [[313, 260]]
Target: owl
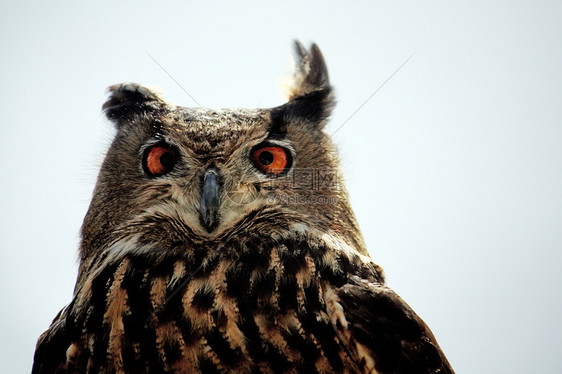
[[223, 241]]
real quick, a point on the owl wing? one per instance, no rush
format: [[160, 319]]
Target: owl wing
[[384, 332], [50, 352]]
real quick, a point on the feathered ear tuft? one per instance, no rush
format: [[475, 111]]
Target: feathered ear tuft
[[128, 99], [310, 93], [310, 72]]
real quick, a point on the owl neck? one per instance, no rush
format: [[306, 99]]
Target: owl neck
[[256, 233]]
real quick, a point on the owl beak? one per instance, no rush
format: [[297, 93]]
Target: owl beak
[[210, 199]]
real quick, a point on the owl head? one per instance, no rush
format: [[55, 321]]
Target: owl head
[[174, 173]]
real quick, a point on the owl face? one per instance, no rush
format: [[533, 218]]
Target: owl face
[[207, 167], [174, 171], [213, 167]]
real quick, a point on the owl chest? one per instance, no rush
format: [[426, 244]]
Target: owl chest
[[265, 314]]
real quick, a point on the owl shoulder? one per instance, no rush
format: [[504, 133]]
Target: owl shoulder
[[385, 333]]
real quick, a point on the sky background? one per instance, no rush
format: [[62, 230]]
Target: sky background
[[454, 167]]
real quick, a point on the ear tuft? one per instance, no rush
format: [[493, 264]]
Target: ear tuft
[[310, 73], [310, 93], [127, 99]]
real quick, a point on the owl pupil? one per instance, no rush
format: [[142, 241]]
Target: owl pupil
[[266, 158], [167, 160]]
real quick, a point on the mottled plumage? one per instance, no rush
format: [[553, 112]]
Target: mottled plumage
[[223, 241]]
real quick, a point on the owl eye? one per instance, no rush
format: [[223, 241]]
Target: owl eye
[[271, 159], [159, 160]]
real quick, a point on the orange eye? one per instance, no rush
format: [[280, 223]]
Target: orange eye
[[271, 159], [159, 160]]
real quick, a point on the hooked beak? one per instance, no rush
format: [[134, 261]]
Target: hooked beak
[[210, 199]]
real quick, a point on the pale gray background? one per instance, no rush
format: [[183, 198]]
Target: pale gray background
[[454, 167]]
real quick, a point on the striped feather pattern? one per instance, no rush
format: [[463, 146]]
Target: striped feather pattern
[[260, 308]]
